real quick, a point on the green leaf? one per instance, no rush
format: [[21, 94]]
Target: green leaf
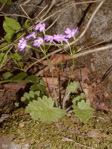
[[72, 87], [16, 104], [18, 37], [32, 95], [27, 24], [7, 28], [7, 75], [6, 1], [16, 56], [44, 110], [33, 79], [21, 64], [40, 88], [33, 87], [79, 50], [13, 23], [3, 46], [78, 98], [2, 58], [9, 36], [23, 99], [19, 77], [37, 93], [83, 111], [42, 82]]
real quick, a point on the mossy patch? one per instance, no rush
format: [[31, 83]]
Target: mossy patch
[[68, 133]]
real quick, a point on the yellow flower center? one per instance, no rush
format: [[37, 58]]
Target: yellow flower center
[[40, 40]]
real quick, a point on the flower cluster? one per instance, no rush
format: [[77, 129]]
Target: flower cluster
[[48, 38]]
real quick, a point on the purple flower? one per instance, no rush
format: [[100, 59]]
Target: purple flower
[[31, 35], [71, 33], [39, 41], [40, 27], [48, 38], [59, 38], [22, 44]]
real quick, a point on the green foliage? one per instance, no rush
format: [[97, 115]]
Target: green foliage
[[33, 79], [83, 110], [3, 46], [32, 95], [44, 110], [10, 26], [9, 36], [38, 85], [16, 104], [27, 23], [12, 23], [19, 77], [7, 28], [7, 75], [6, 1], [78, 98], [79, 50], [3, 58], [72, 87], [16, 58]]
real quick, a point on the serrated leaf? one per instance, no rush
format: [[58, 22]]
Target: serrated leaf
[[33, 79], [27, 97], [13, 23], [78, 98], [27, 24], [7, 28], [37, 93], [16, 56], [16, 104], [44, 110], [19, 77], [83, 111], [7, 75], [31, 94], [23, 99], [9, 36], [72, 87]]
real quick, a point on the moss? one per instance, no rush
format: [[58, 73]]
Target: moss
[[69, 132]]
